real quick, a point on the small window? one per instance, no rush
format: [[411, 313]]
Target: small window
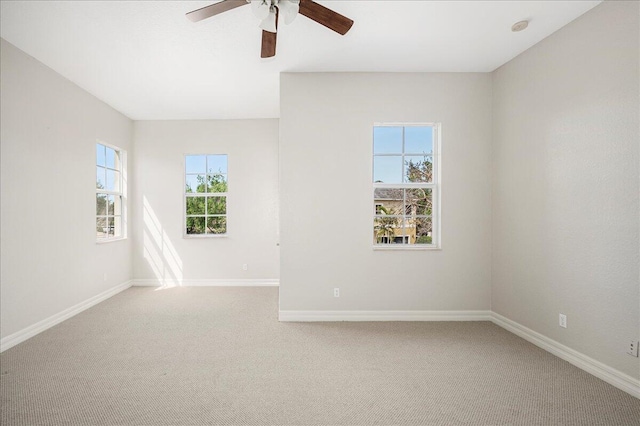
[[206, 185], [405, 185], [110, 190]]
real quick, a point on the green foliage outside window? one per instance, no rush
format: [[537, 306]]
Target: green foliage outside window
[[207, 213], [384, 225], [418, 202]]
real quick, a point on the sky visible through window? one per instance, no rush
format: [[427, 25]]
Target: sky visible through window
[[389, 147], [198, 164], [107, 175]]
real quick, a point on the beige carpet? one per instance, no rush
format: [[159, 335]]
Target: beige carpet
[[219, 356]]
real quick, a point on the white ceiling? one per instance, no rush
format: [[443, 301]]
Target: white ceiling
[[149, 62]]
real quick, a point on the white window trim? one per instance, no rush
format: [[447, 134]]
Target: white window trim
[[184, 201], [436, 187], [122, 193]]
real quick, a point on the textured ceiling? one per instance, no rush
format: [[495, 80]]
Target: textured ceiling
[[148, 61]]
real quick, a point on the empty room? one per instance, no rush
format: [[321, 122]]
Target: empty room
[[320, 212]]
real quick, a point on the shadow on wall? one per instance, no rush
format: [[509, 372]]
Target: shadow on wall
[[159, 253]]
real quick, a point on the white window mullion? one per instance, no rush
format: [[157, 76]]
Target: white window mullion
[[435, 217], [204, 195], [404, 185], [206, 190], [403, 165], [404, 209]]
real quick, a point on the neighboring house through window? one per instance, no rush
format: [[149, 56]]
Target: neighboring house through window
[[405, 184], [206, 186], [110, 192]]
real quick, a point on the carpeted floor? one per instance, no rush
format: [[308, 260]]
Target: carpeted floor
[[219, 356]]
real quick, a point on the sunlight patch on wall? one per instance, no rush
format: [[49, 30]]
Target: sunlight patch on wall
[[158, 250]]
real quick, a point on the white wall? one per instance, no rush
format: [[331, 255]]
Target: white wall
[[161, 253], [326, 192], [565, 185], [49, 257]]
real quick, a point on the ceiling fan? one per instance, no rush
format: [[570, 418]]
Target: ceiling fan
[[268, 11]]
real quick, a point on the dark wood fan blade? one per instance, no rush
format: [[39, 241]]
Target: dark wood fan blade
[[327, 17], [268, 44], [269, 41], [214, 9]]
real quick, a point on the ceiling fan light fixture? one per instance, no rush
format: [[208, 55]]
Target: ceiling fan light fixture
[[261, 8], [289, 10], [269, 23]]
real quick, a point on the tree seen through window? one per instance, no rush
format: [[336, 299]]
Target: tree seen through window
[[206, 188]]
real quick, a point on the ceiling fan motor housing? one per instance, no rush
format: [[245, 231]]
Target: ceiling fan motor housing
[[269, 11]]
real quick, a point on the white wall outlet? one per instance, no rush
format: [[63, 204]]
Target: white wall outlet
[[105, 276], [632, 348], [245, 266], [336, 292], [562, 321]]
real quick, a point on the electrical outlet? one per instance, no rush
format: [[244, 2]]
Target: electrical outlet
[[336, 292], [245, 266], [632, 348], [105, 276], [562, 321]]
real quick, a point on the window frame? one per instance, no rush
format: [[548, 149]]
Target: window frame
[[121, 193], [186, 195], [435, 185]]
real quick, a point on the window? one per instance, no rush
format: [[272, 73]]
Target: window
[[395, 240], [110, 193], [205, 195], [405, 185]]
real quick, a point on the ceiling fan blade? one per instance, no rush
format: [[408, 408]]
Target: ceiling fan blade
[[268, 44], [269, 41], [327, 17], [214, 9]]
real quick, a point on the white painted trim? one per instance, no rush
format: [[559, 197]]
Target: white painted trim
[[205, 283], [303, 316], [610, 375], [26, 333], [406, 247]]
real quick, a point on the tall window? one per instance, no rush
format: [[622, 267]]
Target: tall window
[[110, 193], [405, 185], [206, 187]]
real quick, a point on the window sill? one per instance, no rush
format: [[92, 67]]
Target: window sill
[[204, 236], [110, 240], [400, 247]]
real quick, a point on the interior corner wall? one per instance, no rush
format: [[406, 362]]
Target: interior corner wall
[[49, 257], [162, 256], [565, 185], [326, 127]]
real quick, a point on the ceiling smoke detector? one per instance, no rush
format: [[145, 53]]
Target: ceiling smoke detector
[[519, 26]]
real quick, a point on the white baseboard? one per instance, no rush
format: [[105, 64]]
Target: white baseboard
[[610, 375], [26, 333], [304, 316], [205, 283]]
